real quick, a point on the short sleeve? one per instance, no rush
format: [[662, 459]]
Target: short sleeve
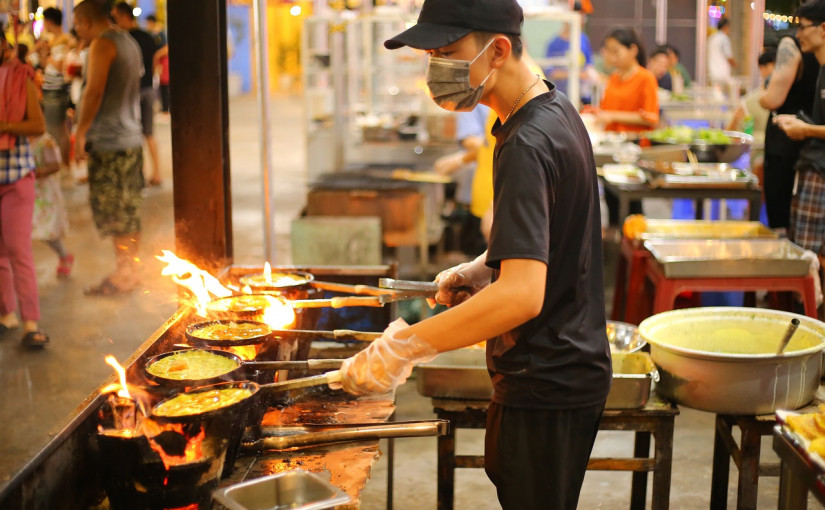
[[523, 204], [650, 96]]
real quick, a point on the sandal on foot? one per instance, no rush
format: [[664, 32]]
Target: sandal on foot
[[5, 329], [105, 288], [35, 339]]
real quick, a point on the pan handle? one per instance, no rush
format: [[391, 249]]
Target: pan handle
[[361, 290], [311, 364], [363, 432], [333, 376]]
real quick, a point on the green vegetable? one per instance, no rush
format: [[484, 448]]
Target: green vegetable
[[684, 134]]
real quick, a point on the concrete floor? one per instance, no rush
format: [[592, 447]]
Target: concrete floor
[[39, 390]]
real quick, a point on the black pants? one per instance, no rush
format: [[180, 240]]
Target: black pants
[[164, 98], [780, 172], [537, 458]]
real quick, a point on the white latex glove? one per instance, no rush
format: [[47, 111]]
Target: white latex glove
[[459, 283], [386, 363]]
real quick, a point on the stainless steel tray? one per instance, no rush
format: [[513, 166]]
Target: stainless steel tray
[[728, 258], [632, 374], [462, 375], [705, 229], [298, 489], [727, 180]]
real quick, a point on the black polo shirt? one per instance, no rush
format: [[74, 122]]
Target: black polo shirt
[[546, 207]]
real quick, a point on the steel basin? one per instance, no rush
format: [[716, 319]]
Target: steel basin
[[722, 360]]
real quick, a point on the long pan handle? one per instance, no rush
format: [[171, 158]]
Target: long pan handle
[[312, 364], [337, 302], [304, 382], [342, 433], [361, 290], [390, 283]]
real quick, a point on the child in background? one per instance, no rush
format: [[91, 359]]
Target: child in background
[[50, 221]]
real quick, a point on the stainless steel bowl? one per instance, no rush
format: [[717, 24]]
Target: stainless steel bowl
[[723, 360], [722, 153], [624, 337]]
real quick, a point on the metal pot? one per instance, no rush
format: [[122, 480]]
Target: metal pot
[[723, 360]]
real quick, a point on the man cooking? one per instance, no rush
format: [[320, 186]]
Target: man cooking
[[537, 293]]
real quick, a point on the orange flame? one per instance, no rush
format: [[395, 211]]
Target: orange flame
[[245, 352], [267, 272], [279, 314], [192, 451], [200, 283], [123, 391]]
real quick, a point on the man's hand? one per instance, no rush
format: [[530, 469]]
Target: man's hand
[[80, 147], [448, 164], [792, 126], [386, 363], [459, 283]]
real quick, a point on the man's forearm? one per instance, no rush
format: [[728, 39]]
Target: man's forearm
[[814, 131], [88, 110]]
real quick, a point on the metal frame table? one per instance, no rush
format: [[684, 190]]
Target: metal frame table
[[626, 193], [798, 476], [655, 419]]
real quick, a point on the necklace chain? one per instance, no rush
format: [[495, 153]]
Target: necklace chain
[[520, 97]]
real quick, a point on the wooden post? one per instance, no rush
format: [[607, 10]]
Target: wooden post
[[200, 131]]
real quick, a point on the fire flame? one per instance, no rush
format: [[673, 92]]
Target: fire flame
[[123, 391], [279, 314], [267, 272], [200, 283], [194, 445]]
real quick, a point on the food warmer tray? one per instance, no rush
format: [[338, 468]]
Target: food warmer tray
[[728, 258], [705, 229], [462, 375], [741, 179]]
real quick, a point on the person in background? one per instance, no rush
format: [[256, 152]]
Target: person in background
[[808, 205], [752, 118], [657, 64], [125, 19], [51, 221], [720, 55], [20, 118], [790, 90], [108, 119], [678, 73], [537, 293], [463, 163], [53, 48], [161, 63], [631, 98], [560, 47]]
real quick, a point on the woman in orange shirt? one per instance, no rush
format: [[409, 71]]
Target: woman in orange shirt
[[631, 101]]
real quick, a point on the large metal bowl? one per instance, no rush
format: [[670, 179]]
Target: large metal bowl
[[714, 152], [624, 337], [723, 360]]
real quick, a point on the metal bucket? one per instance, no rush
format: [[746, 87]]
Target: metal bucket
[[722, 360]]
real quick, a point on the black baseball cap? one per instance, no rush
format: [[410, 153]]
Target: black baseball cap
[[443, 22]]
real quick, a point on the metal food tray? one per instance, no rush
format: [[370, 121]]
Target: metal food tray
[[727, 258], [462, 375], [297, 489], [721, 181], [705, 229], [632, 374]]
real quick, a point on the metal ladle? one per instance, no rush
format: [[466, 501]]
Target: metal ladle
[[788, 334]]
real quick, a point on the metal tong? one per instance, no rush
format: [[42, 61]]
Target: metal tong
[[390, 292]]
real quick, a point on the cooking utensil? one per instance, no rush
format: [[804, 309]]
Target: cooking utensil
[[624, 337], [283, 438], [276, 335], [241, 367], [297, 490], [390, 283], [786, 338], [632, 374], [723, 360]]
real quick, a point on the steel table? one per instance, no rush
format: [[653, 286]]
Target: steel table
[[655, 419], [627, 193]]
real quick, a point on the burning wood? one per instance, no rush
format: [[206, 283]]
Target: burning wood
[[122, 404]]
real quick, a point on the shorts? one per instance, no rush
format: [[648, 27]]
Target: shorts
[[147, 110], [115, 183], [808, 211]]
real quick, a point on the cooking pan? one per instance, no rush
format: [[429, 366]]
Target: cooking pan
[[275, 335], [232, 419], [241, 368]]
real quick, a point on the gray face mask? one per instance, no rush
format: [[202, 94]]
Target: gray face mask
[[449, 82]]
